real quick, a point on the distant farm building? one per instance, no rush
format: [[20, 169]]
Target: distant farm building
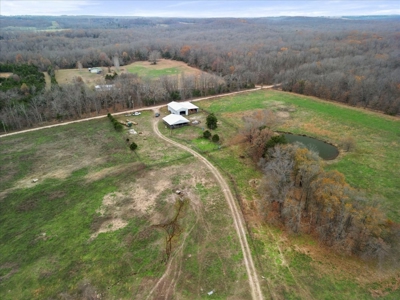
[[95, 70], [103, 88], [182, 108], [175, 121]]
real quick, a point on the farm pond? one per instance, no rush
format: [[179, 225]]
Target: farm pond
[[325, 150]]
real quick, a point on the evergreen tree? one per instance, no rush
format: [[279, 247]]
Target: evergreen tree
[[211, 121]]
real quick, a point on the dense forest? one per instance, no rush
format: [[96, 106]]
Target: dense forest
[[351, 60]]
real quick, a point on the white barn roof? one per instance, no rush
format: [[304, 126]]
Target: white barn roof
[[175, 119], [175, 105], [181, 105], [188, 105]]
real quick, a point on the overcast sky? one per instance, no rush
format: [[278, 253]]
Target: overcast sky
[[200, 9]]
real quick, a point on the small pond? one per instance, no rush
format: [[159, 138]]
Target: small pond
[[326, 151]]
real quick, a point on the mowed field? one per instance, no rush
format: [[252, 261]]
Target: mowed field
[[296, 267], [164, 67], [102, 221], [144, 69]]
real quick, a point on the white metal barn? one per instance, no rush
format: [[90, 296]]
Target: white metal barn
[[175, 121], [182, 108]]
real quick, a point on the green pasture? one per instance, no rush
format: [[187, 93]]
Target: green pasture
[[152, 73], [46, 249], [375, 164]]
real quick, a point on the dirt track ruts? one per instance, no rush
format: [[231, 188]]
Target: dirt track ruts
[[236, 215]]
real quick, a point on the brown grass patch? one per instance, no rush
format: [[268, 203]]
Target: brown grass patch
[[112, 171], [342, 266], [318, 130], [66, 76], [5, 74], [140, 198]]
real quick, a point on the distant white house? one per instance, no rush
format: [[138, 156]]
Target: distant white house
[[105, 87], [95, 70], [182, 108], [175, 121]]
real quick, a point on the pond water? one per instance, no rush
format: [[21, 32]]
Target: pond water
[[325, 150]]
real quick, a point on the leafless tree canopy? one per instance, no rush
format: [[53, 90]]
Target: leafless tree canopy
[[298, 194], [154, 56], [350, 61]]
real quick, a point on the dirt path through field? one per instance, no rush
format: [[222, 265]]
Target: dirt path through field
[[130, 111], [236, 215]]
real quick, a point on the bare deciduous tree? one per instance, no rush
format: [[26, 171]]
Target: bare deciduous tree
[[154, 56]]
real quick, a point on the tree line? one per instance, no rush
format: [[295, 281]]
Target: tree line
[[353, 61], [77, 100]]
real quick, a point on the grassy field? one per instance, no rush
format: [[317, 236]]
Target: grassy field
[[96, 221], [66, 76], [164, 67], [375, 164], [143, 69], [296, 267]]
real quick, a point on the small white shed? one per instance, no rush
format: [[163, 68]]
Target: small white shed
[[175, 121], [95, 70], [105, 87], [182, 108]]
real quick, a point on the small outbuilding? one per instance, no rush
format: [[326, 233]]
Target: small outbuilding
[[182, 108], [95, 70], [103, 88], [175, 121]]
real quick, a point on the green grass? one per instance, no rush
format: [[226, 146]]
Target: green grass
[[46, 250], [125, 263], [374, 167], [152, 73], [58, 261]]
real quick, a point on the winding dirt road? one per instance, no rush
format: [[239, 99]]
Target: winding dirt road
[[236, 215]]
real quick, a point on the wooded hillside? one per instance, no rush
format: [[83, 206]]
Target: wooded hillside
[[354, 61]]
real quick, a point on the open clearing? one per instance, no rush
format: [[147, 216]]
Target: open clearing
[[96, 222], [163, 67], [5, 74], [144, 69]]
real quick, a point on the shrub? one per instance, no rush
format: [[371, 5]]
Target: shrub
[[348, 143], [133, 146], [211, 121], [215, 138], [206, 134], [118, 127], [275, 140]]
